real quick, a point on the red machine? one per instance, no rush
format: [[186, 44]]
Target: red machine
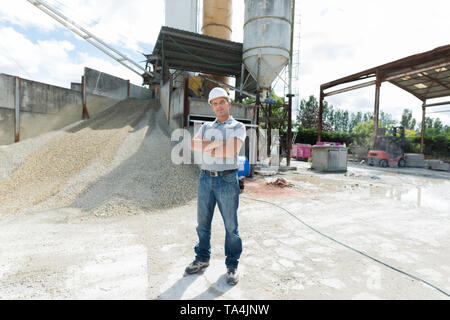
[[389, 150], [382, 159]]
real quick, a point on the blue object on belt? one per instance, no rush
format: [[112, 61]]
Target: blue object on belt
[[244, 166]]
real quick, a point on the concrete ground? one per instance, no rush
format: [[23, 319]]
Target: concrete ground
[[398, 217]]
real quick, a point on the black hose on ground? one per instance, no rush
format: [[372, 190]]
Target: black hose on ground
[[349, 247]]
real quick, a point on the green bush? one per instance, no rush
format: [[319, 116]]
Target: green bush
[[438, 145]]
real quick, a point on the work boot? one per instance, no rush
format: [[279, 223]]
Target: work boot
[[232, 276], [196, 266]]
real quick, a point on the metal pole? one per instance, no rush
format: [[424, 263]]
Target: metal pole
[[241, 85], [17, 110], [257, 106], [422, 134], [269, 128], [292, 46], [376, 109], [319, 125], [290, 95], [289, 144], [186, 103]]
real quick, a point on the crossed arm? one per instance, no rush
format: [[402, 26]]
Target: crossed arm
[[217, 149]]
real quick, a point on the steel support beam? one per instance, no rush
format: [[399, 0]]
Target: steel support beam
[[358, 86], [319, 124], [376, 109], [289, 144], [422, 134], [436, 104], [186, 103]]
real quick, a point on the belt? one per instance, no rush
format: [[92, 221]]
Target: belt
[[219, 173]]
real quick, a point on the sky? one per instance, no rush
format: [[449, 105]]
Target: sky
[[336, 39]]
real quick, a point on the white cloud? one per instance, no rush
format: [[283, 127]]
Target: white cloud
[[341, 38], [22, 13], [119, 23], [338, 38], [49, 61]]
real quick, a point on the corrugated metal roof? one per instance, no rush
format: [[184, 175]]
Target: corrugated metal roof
[[189, 51], [425, 81], [425, 75]]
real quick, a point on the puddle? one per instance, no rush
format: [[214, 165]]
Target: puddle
[[433, 195], [418, 191]]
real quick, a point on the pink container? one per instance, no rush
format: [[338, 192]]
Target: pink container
[[294, 150], [304, 151]]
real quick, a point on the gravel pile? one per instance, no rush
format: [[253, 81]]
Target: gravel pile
[[116, 163]]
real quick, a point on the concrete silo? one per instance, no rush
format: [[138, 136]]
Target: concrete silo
[[267, 39]]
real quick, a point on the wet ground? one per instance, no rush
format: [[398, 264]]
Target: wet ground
[[399, 218]]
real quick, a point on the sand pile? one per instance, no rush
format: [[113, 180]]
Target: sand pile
[[115, 163]]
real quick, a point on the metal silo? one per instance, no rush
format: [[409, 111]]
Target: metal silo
[[217, 22], [267, 35]]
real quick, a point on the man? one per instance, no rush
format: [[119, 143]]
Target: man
[[219, 143]]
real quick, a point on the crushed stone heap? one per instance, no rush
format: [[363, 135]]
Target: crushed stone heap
[[117, 162]]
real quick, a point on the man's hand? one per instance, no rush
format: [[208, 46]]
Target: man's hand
[[199, 145], [211, 153], [217, 148], [227, 149], [214, 145]]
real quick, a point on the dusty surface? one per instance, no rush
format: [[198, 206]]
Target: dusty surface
[[132, 245], [401, 220]]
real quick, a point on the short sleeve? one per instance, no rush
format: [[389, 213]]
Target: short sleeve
[[200, 132], [239, 132]]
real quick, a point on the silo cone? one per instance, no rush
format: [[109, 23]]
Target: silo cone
[[267, 32], [217, 15]]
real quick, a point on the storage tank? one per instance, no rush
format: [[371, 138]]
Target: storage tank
[[267, 34], [217, 16], [217, 19]]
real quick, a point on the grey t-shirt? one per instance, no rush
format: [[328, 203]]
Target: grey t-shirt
[[211, 131]]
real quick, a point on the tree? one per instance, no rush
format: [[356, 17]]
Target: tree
[[308, 114], [428, 122], [387, 121], [363, 132], [438, 126], [408, 122]]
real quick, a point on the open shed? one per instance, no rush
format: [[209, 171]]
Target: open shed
[[425, 75], [190, 51]]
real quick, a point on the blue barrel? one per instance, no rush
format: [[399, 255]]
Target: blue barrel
[[244, 166]]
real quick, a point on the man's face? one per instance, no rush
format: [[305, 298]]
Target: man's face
[[221, 107]]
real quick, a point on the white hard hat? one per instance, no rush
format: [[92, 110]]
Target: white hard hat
[[217, 92]]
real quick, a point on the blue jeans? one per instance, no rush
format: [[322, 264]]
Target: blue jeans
[[223, 190]]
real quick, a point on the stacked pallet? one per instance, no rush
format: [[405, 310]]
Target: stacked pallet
[[438, 165], [416, 160], [358, 153]]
